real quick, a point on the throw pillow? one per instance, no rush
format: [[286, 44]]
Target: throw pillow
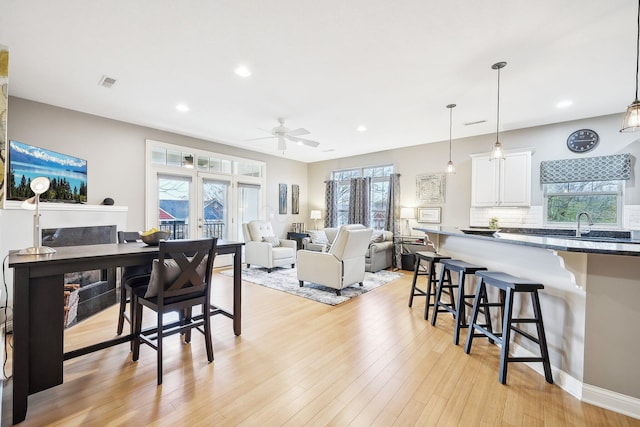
[[275, 242], [171, 271], [377, 237], [319, 237]]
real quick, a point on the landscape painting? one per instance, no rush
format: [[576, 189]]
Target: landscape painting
[[68, 175]]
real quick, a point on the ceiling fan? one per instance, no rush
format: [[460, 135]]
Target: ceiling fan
[[284, 133]]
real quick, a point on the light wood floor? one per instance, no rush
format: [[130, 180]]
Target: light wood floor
[[369, 362]]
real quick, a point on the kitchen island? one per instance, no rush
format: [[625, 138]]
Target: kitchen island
[[588, 305]]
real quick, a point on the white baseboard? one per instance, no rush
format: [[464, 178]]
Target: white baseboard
[[565, 381], [611, 400], [601, 397]]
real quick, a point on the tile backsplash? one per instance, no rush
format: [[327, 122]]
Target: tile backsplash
[[532, 217]]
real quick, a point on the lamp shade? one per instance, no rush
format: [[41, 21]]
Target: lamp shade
[[40, 185], [631, 121], [316, 214], [407, 213]]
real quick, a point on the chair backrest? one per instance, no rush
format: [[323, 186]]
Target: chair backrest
[[352, 241], [258, 229], [128, 236], [135, 270], [184, 268]]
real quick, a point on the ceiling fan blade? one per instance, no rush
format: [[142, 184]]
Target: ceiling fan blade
[[298, 132], [256, 139], [282, 145], [304, 141]]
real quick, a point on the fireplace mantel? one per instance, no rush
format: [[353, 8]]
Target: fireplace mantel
[[50, 206], [16, 224]]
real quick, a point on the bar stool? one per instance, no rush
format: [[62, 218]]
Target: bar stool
[[460, 313], [432, 259], [509, 285]]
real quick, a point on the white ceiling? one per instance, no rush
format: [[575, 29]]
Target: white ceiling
[[327, 66]]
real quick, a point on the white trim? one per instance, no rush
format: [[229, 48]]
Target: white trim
[[611, 400], [51, 206], [607, 399], [565, 381]]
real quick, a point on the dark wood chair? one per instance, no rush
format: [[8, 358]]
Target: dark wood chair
[[126, 273], [180, 279]]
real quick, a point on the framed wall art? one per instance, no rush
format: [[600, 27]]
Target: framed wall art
[[295, 199], [68, 174], [430, 188], [429, 215], [282, 202]]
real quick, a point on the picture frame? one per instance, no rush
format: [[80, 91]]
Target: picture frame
[[430, 188], [295, 199], [429, 215], [282, 202]]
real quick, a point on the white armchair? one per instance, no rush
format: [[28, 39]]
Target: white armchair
[[263, 248], [343, 265]]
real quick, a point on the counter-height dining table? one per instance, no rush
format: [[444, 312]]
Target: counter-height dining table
[[38, 312]]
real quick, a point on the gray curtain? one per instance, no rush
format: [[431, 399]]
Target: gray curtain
[[359, 194], [393, 213], [331, 219]]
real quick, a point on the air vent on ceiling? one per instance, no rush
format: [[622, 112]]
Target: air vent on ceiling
[[475, 123], [107, 81]]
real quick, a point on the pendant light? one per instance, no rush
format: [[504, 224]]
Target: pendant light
[[496, 152], [631, 122], [450, 168]]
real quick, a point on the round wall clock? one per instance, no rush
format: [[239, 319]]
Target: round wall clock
[[582, 140]]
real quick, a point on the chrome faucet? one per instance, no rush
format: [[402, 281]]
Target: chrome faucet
[[578, 231]]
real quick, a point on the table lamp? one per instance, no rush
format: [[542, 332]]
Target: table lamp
[[38, 186], [315, 216], [407, 214]]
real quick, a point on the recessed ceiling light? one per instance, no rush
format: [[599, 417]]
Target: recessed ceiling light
[[361, 128], [182, 107], [242, 71], [564, 104]]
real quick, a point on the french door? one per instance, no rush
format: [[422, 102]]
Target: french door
[[196, 194]]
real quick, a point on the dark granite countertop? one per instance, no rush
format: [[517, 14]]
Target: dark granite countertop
[[598, 242]]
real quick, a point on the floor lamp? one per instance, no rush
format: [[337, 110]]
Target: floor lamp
[[38, 186]]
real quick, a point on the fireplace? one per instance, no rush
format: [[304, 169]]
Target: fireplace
[[97, 289]]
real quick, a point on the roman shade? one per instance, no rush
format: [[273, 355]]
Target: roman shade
[[602, 168]]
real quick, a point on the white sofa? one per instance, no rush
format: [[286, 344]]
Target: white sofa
[[260, 250], [379, 253], [342, 265]]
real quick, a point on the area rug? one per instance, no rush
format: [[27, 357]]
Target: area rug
[[286, 280]]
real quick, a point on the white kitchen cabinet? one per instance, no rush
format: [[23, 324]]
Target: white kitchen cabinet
[[505, 182]]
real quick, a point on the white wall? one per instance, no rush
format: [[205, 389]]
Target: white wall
[[549, 143], [115, 153]]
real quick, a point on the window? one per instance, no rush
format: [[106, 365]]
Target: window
[[378, 198], [196, 193], [602, 199]]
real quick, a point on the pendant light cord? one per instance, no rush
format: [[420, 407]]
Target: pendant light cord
[[637, 51], [498, 109], [450, 119]]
